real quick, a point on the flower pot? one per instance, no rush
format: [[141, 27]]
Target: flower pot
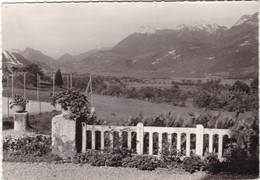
[[19, 108], [66, 112]]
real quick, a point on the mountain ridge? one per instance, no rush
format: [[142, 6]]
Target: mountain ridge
[[227, 52]]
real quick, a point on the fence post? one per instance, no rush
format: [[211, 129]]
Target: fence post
[[220, 145], [84, 137], [139, 138], [199, 139], [102, 144]]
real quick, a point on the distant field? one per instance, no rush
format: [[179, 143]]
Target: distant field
[[120, 110], [31, 94], [112, 109], [140, 85]]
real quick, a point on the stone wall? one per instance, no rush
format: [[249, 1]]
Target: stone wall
[[63, 137]]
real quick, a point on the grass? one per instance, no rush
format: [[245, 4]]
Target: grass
[[119, 110], [31, 94], [113, 109], [38, 123]]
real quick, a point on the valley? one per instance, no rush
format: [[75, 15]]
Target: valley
[[198, 50], [151, 70]]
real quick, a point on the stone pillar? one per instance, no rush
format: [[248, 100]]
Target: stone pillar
[[21, 121], [63, 137], [199, 139], [139, 138]]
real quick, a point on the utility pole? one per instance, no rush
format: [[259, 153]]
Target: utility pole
[[12, 84], [90, 90], [53, 83], [8, 96], [37, 87], [70, 80], [38, 93], [24, 84], [67, 81]]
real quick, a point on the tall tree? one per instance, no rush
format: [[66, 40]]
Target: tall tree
[[58, 79]]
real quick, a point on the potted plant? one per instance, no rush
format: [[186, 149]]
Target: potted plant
[[74, 104], [18, 102]]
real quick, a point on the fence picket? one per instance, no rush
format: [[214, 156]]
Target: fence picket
[[188, 144], [150, 143]]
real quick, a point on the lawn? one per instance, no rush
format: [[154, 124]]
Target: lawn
[[113, 109], [109, 108]]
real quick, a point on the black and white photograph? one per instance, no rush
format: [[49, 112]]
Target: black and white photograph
[[130, 90]]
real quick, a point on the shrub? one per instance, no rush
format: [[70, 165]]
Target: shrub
[[212, 163], [240, 86], [141, 162], [193, 163], [33, 146], [171, 157], [117, 159], [238, 161], [18, 100]]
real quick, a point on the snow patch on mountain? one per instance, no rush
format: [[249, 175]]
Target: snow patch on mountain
[[245, 43], [242, 20], [11, 59], [210, 58], [14, 50], [210, 28], [146, 29], [172, 52], [135, 60]]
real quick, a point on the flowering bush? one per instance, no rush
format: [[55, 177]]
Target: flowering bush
[[74, 101], [18, 100], [34, 146]]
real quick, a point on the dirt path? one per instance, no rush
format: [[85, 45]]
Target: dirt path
[[69, 171]]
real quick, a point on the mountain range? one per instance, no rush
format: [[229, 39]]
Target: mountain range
[[193, 49]]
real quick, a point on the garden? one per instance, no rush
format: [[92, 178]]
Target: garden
[[241, 156]]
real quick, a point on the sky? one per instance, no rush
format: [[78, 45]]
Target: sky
[[74, 28]]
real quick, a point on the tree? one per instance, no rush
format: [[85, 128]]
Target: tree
[[58, 79], [254, 85], [240, 86]]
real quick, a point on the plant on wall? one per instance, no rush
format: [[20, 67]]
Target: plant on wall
[[73, 101]]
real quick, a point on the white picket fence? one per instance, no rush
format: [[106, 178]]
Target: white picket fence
[[141, 130]]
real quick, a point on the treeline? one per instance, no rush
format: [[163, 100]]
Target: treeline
[[211, 95], [31, 71], [113, 86], [239, 97]]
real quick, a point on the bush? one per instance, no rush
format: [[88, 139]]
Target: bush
[[238, 161], [240, 86], [193, 163], [117, 159], [212, 163], [32, 146], [141, 162]]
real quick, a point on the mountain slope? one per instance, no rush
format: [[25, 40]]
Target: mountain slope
[[195, 50], [36, 56], [13, 59]]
